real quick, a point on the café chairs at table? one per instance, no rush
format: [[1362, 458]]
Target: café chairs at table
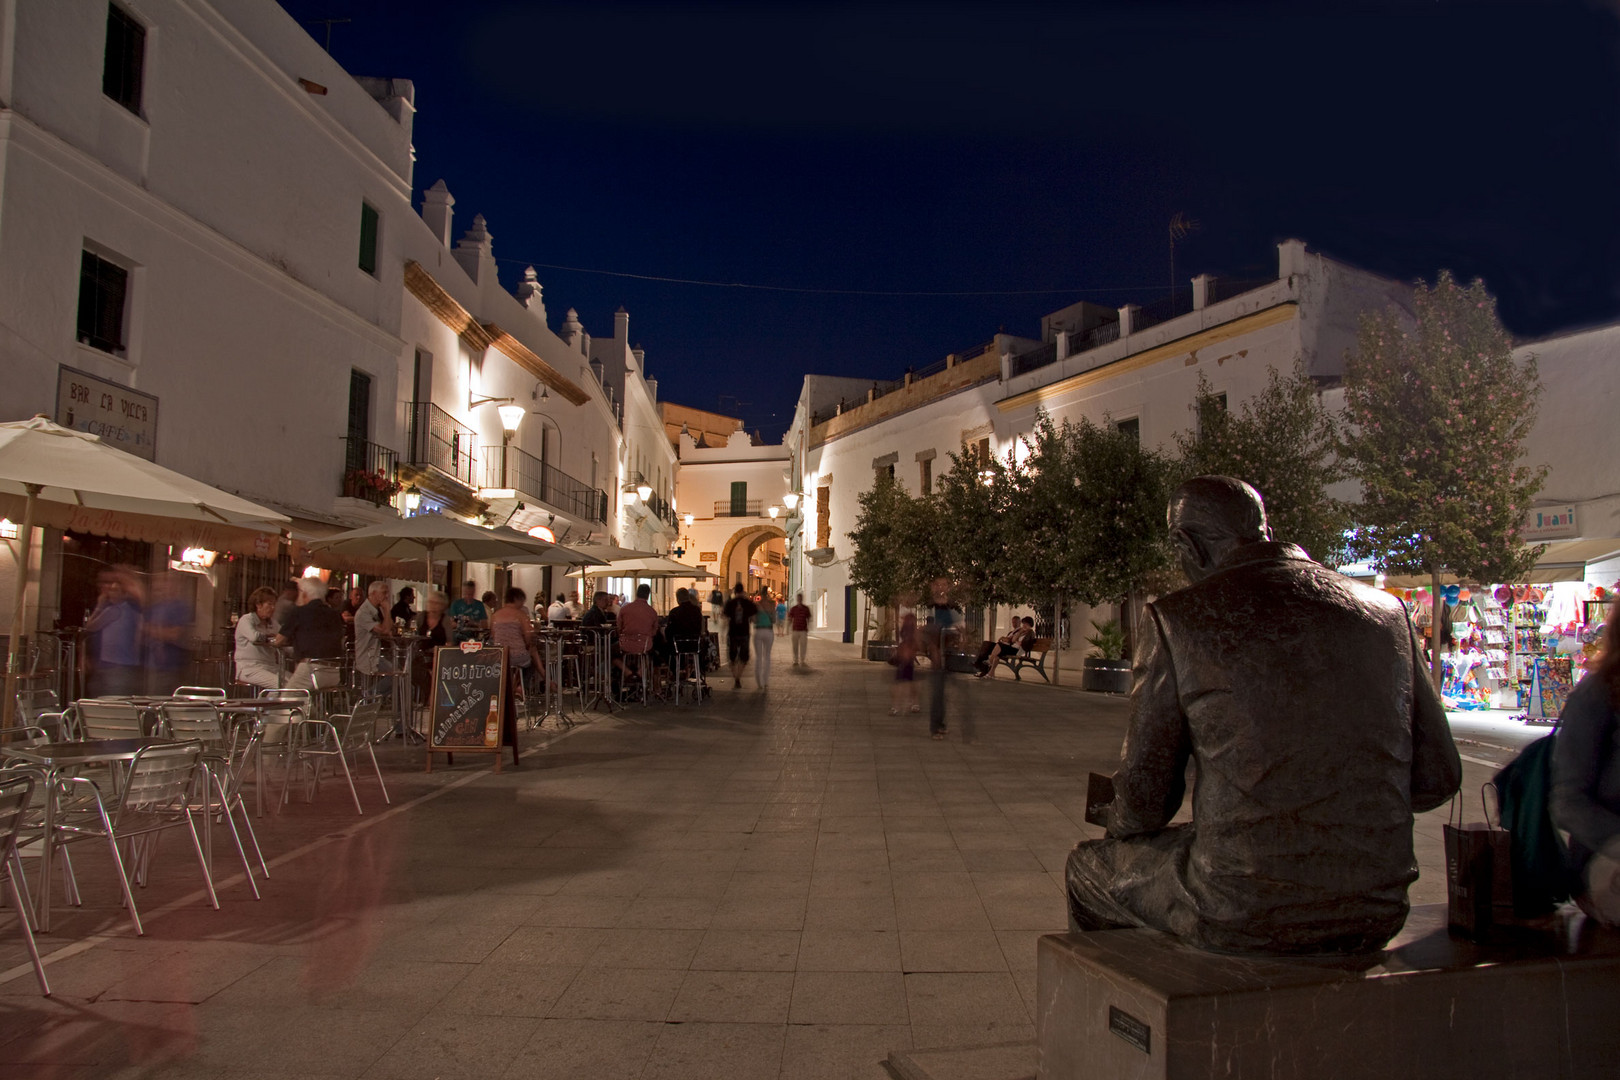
[[226, 760], [16, 791], [338, 738], [158, 795], [199, 693], [103, 719]]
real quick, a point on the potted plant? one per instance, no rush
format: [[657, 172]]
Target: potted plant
[[1107, 672]]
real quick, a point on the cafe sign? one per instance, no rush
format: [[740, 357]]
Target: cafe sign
[[123, 417]]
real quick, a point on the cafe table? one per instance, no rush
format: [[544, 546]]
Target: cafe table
[[254, 707], [53, 760]]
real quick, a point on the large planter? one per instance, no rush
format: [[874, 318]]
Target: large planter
[[1106, 676], [879, 651]]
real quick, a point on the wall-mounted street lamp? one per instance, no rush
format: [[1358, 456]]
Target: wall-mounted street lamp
[[689, 520], [413, 499], [773, 511], [791, 499], [644, 490]]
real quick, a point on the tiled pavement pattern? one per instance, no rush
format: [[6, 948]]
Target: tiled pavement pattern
[[787, 883]]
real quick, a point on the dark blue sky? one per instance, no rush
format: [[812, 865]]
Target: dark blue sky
[[996, 148]]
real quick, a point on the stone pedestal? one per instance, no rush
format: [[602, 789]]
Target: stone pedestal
[[1134, 1003]]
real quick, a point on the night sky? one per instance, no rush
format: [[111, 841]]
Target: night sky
[[1033, 155]]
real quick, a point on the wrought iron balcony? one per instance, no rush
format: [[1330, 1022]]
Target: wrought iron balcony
[[368, 471], [748, 508], [520, 471], [440, 440]]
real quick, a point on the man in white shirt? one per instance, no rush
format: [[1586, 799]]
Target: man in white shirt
[[372, 623], [558, 611]]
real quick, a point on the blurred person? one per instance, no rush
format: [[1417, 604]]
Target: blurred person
[[576, 610], [738, 616], [559, 611], [286, 601], [468, 613], [638, 626], [943, 629], [114, 626], [372, 623], [1586, 780], [258, 661], [404, 609], [314, 631], [511, 627], [601, 613], [904, 692], [798, 620], [434, 628], [335, 600], [489, 598], [167, 630], [764, 638]]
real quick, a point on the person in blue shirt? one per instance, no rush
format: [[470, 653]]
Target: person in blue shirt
[[114, 626], [469, 614]]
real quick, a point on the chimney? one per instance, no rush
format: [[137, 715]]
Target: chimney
[[621, 325], [436, 211], [476, 251], [572, 331], [641, 358]]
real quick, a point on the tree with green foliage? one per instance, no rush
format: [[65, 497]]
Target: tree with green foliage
[[1436, 413], [971, 501], [896, 542], [1283, 442]]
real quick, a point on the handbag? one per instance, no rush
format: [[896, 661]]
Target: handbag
[[1479, 873]]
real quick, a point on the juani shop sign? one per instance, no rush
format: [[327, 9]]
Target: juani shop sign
[[123, 417], [1552, 523]]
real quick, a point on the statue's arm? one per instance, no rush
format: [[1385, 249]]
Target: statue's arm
[[1151, 781], [1436, 768]]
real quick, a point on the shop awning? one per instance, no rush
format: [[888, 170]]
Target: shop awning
[[1562, 560]]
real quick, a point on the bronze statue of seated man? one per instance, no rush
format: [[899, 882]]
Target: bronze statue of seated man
[[1302, 699]]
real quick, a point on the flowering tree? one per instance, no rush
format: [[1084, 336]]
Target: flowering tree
[[1282, 441], [1436, 413]]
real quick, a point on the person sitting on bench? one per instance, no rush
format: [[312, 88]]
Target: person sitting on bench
[[1006, 647]]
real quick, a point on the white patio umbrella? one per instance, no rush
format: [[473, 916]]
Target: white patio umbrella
[[434, 536], [653, 566], [604, 554], [46, 463]]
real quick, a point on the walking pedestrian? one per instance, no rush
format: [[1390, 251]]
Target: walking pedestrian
[[114, 628], [943, 630], [798, 619], [764, 638], [905, 667], [738, 616]]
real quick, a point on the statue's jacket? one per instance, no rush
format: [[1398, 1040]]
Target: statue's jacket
[[1302, 699]]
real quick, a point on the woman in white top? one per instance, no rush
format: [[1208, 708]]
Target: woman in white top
[[258, 663]]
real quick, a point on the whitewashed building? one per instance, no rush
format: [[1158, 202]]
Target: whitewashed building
[[738, 514], [209, 254], [1137, 367]]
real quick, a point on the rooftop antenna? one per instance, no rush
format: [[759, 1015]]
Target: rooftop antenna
[[1181, 227], [328, 24]]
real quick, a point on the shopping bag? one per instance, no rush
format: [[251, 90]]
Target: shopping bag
[[1479, 874]]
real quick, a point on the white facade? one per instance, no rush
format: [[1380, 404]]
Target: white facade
[[298, 322], [1149, 376], [729, 491]]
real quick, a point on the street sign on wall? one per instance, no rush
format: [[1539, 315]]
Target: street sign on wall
[[123, 417]]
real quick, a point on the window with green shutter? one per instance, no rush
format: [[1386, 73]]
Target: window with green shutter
[[368, 238]]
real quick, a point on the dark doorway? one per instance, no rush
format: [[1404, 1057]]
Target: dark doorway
[[849, 614]]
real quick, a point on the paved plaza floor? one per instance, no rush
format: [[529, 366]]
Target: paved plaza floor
[[780, 883]]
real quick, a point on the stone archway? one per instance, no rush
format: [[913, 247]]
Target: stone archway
[[748, 538]]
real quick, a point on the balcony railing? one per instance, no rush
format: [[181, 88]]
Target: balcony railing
[[1037, 357], [661, 509], [521, 471], [748, 508], [368, 471], [440, 440]]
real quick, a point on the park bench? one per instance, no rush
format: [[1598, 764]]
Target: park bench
[[1032, 657]]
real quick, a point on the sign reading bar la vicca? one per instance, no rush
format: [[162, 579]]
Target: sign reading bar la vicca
[[123, 417]]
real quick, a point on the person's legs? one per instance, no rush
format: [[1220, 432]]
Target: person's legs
[[737, 651], [1113, 884], [984, 655], [764, 638], [801, 645], [936, 707]]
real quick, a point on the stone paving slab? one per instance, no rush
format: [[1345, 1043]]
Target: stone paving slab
[[786, 883]]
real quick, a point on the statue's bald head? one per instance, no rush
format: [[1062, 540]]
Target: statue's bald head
[[1211, 515]]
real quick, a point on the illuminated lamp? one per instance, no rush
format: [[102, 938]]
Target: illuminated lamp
[[541, 532], [791, 499]]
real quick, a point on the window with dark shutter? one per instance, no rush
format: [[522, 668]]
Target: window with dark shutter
[[103, 287], [124, 64], [1131, 427], [368, 238]]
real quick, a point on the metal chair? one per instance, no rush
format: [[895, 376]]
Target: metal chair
[[338, 738], [689, 662], [200, 721], [157, 796], [16, 790], [110, 719], [198, 693]]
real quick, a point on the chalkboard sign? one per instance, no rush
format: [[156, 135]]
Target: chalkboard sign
[[469, 694]]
